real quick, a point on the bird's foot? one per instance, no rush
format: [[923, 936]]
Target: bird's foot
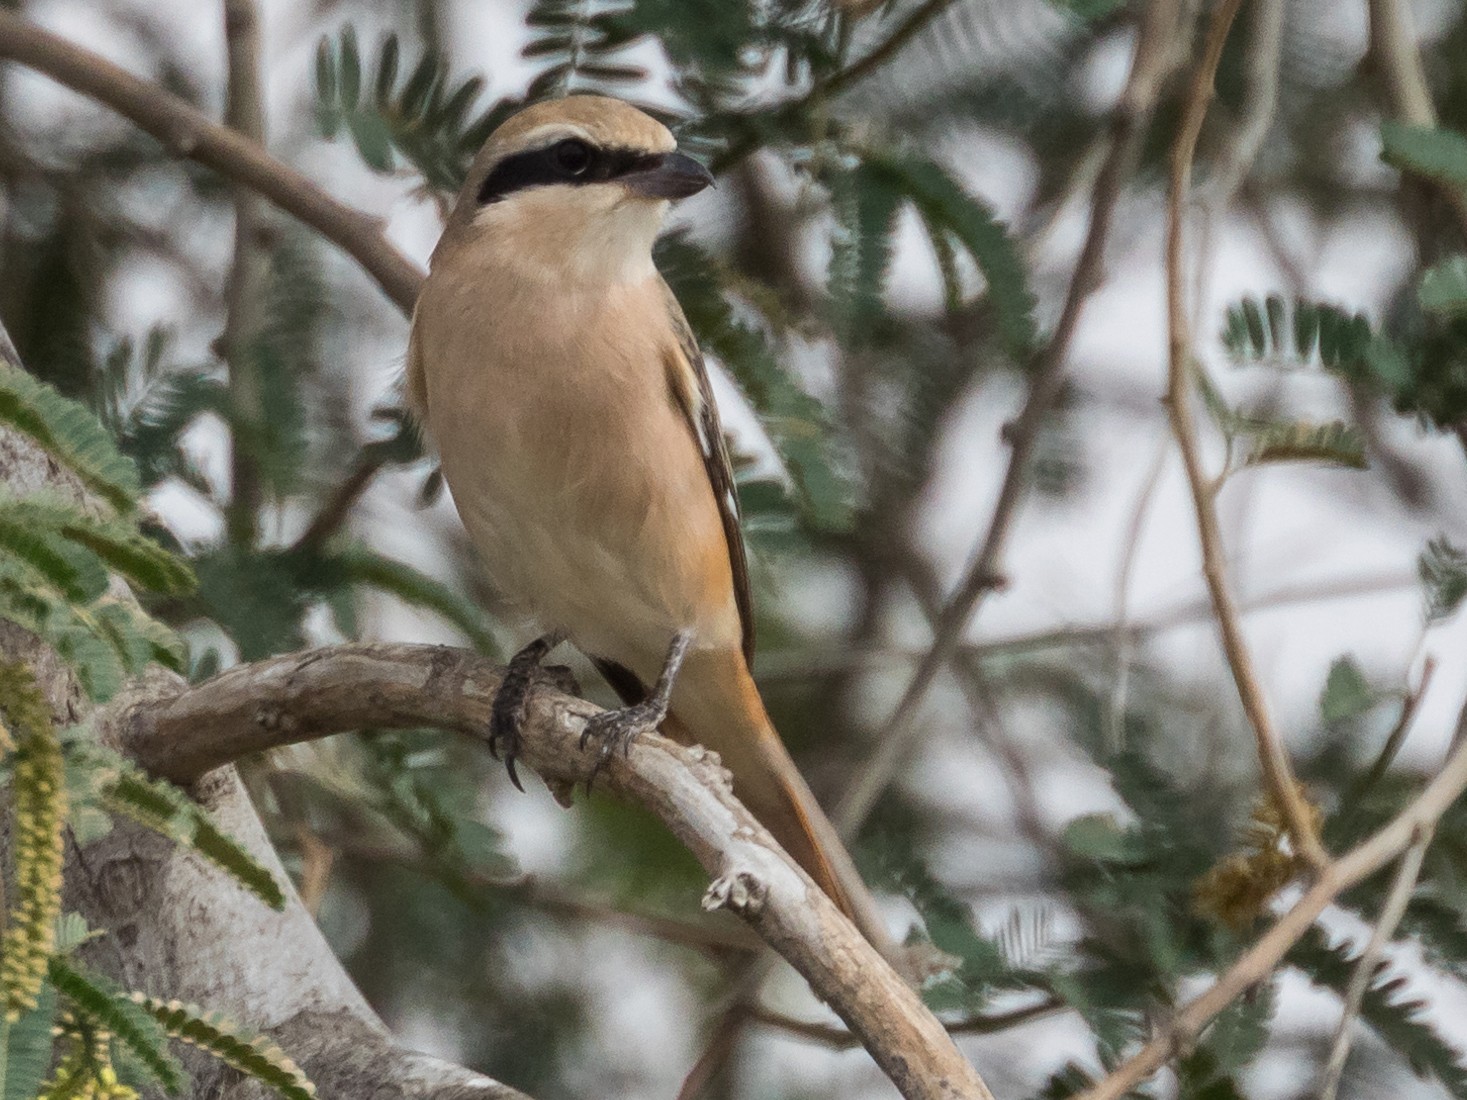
[[511, 702], [617, 729]]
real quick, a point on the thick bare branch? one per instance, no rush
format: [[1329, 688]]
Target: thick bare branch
[[307, 695], [187, 132]]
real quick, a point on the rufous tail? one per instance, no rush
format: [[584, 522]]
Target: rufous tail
[[716, 704]]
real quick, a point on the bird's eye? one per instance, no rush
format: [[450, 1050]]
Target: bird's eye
[[571, 156]]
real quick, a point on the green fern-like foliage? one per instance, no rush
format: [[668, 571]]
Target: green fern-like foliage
[[1296, 334], [575, 40], [1333, 442], [1269, 440], [797, 423], [1400, 1020], [1442, 568], [56, 558], [146, 402], [112, 544], [425, 117], [103, 1004], [254, 1055], [25, 1048], [54, 580], [1419, 365], [70, 433], [949, 210], [39, 804], [866, 215], [113, 783]]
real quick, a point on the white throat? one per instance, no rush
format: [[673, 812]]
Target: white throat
[[586, 236]]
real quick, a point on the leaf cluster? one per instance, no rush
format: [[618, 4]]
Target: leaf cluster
[[57, 561], [421, 117]]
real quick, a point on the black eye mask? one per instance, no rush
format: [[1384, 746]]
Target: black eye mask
[[569, 161]]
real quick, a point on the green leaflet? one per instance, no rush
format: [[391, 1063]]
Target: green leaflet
[[121, 787], [1419, 366], [1398, 1019], [1334, 443], [114, 544], [25, 1048], [578, 38], [255, 1056], [866, 212], [70, 434], [947, 207], [1442, 568], [147, 403], [422, 118], [104, 639], [1347, 694], [1295, 333], [1443, 288], [1426, 151], [102, 1002]]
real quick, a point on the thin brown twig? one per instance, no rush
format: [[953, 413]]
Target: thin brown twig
[[1385, 927], [1123, 642], [1236, 154], [1261, 62], [1259, 961], [1409, 706], [187, 132], [839, 1038], [727, 1030], [973, 680], [244, 113], [548, 897], [773, 669], [334, 513], [1149, 68], [1277, 772], [1393, 44]]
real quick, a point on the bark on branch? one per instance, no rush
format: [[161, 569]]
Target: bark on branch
[[306, 695]]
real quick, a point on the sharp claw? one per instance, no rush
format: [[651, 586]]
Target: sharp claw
[[595, 771], [513, 775]]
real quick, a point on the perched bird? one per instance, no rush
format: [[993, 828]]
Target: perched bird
[[576, 427]]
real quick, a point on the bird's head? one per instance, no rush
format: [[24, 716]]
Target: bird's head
[[573, 189]]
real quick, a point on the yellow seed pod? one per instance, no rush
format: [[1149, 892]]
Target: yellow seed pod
[[39, 808]]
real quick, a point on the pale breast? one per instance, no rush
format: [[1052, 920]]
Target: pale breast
[[574, 471]]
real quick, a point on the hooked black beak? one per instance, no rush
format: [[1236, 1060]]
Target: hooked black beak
[[669, 176]]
